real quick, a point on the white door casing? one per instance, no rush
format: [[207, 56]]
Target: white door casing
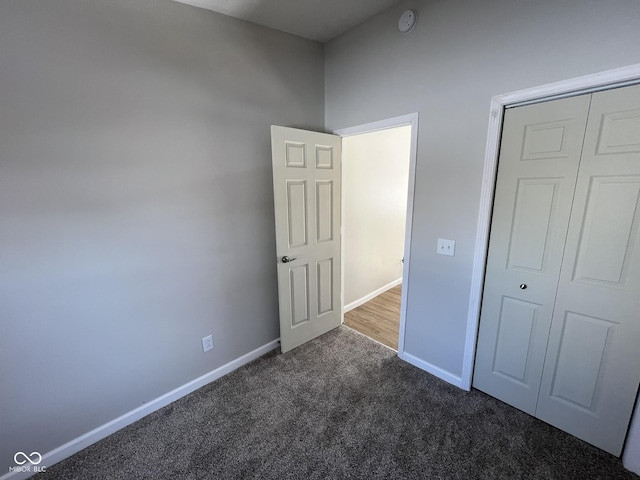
[[306, 182], [409, 119]]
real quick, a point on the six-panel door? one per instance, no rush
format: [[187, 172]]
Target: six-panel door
[[539, 158], [592, 366], [306, 182]]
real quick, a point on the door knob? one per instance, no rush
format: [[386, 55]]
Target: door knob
[[523, 286], [286, 259]]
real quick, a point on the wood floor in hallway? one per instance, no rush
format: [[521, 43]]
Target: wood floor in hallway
[[379, 318]]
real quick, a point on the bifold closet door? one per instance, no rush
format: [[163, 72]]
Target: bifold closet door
[[537, 171], [592, 367]]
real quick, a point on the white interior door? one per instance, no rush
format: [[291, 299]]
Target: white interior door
[[592, 369], [538, 166], [306, 183]]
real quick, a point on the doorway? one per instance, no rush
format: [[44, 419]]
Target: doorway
[[377, 173], [307, 171], [558, 330], [590, 83]]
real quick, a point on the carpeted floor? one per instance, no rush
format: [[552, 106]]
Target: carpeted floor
[[341, 406]]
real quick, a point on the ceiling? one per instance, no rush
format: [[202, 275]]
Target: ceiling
[[319, 20]]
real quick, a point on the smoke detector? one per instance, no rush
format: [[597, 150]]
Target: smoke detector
[[407, 21]]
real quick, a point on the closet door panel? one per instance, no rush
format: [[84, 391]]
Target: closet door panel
[[592, 369], [538, 165]]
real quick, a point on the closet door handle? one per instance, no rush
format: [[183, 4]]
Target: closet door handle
[[523, 286]]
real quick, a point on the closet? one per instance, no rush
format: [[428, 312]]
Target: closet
[[560, 320]]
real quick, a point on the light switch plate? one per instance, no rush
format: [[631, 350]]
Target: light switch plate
[[446, 247]]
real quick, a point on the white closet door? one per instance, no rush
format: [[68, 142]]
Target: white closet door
[[537, 170], [592, 369]]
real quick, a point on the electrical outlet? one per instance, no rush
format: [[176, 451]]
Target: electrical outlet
[[446, 247], [207, 343]]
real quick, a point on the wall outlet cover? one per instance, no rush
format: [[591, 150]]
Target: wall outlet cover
[[207, 343]]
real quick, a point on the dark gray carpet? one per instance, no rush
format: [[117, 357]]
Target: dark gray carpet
[[341, 406]]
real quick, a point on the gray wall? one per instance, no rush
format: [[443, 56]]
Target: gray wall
[[136, 205], [460, 55]]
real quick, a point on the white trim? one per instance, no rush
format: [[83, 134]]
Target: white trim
[[617, 77], [482, 238], [372, 295], [597, 81], [74, 446], [378, 125], [409, 119], [597, 88], [432, 369]]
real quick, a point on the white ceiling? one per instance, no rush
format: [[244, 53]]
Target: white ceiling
[[313, 19]]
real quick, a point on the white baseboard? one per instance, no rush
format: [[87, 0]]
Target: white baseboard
[[366, 298], [64, 451], [432, 369]]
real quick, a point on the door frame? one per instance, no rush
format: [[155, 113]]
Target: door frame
[[618, 77], [400, 121]]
